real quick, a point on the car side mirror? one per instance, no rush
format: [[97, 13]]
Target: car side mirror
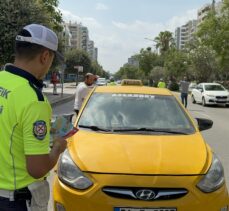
[[204, 124]]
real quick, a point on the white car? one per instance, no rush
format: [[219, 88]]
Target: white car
[[210, 94], [101, 82]]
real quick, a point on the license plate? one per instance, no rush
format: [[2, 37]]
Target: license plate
[[144, 209]]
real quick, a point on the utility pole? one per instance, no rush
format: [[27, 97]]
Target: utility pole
[[63, 67], [79, 69]]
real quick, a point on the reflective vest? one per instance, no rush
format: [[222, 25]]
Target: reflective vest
[[25, 116]]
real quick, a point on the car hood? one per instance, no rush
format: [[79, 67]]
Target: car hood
[[140, 154], [217, 93]]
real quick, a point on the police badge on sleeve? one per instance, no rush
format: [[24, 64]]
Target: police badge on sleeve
[[39, 129]]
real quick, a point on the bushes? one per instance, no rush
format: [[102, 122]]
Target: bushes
[[173, 86]]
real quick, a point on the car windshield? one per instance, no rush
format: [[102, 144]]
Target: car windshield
[[141, 113], [214, 88]]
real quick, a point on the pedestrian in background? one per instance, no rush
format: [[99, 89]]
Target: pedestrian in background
[[161, 83], [82, 91], [112, 82], [25, 115], [184, 85], [54, 81]]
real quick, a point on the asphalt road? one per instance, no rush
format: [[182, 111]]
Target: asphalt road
[[217, 137], [64, 108]]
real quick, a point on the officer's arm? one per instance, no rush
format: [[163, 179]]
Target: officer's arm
[[39, 165]]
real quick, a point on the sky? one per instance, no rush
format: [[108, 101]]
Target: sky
[[119, 27]]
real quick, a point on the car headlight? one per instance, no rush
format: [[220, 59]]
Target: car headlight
[[214, 179], [70, 174]]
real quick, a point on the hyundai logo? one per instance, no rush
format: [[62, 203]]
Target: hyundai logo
[[145, 194]]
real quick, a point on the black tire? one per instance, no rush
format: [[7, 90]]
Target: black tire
[[203, 102], [193, 99]]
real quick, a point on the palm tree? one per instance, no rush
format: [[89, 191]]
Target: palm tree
[[164, 41]]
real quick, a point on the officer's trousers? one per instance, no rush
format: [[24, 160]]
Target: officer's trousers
[[7, 205]]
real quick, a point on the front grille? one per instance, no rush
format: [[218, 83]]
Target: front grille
[[221, 97], [145, 194]]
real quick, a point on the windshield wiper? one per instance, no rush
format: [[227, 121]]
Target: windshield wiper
[[157, 130], [95, 128]]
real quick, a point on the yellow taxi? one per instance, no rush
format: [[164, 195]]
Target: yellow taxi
[[137, 149]]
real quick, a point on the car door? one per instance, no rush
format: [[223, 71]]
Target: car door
[[198, 93]]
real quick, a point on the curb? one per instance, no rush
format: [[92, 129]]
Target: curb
[[62, 100]]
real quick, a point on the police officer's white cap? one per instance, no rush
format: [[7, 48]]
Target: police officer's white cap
[[40, 35]]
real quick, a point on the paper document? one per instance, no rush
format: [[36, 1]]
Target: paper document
[[62, 127]]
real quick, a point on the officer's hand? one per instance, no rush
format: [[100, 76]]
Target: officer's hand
[[60, 144]]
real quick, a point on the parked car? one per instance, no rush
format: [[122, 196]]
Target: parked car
[[46, 83], [138, 149], [210, 94], [101, 82]]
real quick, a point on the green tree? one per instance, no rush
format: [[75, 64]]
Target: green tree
[[55, 16], [155, 75], [176, 63], [77, 58], [204, 63], [213, 33], [164, 41], [147, 61], [96, 68], [128, 72], [15, 15]]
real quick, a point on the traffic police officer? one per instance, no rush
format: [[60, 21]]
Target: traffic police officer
[[161, 83], [25, 115]]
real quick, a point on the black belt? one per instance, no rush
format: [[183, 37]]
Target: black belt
[[15, 195], [22, 194]]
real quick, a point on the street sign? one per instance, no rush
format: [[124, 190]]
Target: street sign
[[79, 68]]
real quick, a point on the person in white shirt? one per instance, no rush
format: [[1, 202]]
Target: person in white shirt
[[82, 91]]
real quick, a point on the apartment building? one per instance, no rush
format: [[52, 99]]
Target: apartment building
[[184, 34], [92, 51], [74, 30], [66, 37], [133, 61], [203, 11], [80, 40]]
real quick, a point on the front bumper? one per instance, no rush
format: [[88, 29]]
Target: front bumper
[[216, 101], [94, 199]]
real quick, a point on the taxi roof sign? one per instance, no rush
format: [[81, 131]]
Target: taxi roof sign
[[131, 82]]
